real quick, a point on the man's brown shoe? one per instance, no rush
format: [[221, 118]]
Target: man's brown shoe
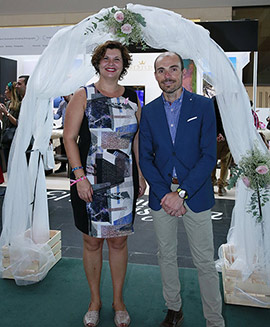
[[173, 319]]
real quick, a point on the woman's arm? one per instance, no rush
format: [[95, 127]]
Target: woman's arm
[[142, 183], [4, 111], [73, 120]]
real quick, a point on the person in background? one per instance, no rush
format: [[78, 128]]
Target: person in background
[[268, 122], [255, 116], [8, 93], [264, 140], [61, 111], [177, 154], [9, 116], [21, 85], [105, 115], [7, 97], [223, 153], [21, 90]]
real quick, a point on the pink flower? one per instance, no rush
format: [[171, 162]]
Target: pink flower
[[126, 29], [126, 101], [262, 170], [246, 181], [119, 16]]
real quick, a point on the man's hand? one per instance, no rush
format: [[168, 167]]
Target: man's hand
[[142, 186], [173, 204], [220, 138]]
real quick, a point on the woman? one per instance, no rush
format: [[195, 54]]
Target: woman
[[9, 116], [105, 116], [8, 92]]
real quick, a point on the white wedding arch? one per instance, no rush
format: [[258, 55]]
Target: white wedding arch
[[25, 205]]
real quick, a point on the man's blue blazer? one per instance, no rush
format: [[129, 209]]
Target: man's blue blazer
[[193, 153]]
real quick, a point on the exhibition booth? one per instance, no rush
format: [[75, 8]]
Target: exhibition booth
[[23, 47], [20, 50], [62, 68]]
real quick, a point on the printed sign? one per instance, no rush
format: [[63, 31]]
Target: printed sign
[[26, 40]]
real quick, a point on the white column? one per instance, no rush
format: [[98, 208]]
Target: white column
[[255, 77]]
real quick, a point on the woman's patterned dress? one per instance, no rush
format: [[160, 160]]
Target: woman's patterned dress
[[112, 125]]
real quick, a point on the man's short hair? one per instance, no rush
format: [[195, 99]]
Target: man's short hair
[[25, 77], [164, 55]]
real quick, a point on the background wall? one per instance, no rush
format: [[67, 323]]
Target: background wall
[[54, 12], [65, 12], [140, 73], [63, 18], [40, 12]]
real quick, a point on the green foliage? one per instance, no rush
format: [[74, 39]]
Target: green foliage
[[249, 164], [133, 34], [254, 178], [236, 172]]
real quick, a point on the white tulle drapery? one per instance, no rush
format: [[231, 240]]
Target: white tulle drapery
[[25, 204]]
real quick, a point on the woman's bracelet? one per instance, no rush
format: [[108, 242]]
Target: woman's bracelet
[[74, 181], [75, 168]]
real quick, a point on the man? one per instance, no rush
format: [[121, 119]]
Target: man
[[223, 153], [177, 155], [21, 85], [61, 111], [21, 89]]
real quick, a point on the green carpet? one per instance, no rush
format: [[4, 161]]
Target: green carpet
[[62, 298]]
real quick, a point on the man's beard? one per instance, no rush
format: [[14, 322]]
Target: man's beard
[[177, 87]]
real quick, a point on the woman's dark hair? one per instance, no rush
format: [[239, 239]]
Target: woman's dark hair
[[100, 51]]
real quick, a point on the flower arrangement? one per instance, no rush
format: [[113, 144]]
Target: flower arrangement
[[124, 24], [254, 169]]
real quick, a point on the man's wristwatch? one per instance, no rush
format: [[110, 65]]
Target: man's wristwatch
[[182, 193]]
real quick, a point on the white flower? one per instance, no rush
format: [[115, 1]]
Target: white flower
[[126, 29], [119, 16]]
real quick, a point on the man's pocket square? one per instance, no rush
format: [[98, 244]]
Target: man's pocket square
[[190, 119]]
